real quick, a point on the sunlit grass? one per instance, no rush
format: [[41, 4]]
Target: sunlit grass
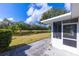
[[27, 39]]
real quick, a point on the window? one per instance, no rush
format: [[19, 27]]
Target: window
[[71, 21], [57, 30], [69, 35], [70, 43], [70, 31]]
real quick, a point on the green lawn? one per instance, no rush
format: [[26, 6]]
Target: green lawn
[[27, 39]]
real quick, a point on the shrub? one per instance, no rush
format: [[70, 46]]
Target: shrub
[[5, 39], [40, 31], [28, 32]]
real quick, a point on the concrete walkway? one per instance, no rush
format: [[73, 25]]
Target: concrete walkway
[[39, 48], [58, 52], [35, 49]]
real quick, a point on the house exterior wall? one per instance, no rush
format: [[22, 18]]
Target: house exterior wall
[[58, 43], [75, 9], [78, 34]]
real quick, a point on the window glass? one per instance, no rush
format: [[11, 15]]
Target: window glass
[[70, 35], [69, 31], [57, 30], [70, 43], [71, 21]]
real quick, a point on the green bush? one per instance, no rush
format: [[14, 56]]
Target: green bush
[[5, 39], [28, 32], [40, 31]]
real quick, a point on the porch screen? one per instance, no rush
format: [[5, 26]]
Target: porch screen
[[70, 32], [57, 30], [69, 35]]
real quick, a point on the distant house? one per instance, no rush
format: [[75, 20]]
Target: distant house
[[65, 30]]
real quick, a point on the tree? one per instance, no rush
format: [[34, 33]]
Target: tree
[[5, 23], [13, 28], [22, 26], [52, 13]]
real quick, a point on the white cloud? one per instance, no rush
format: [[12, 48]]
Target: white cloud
[[11, 19], [39, 4], [30, 11], [34, 17], [36, 14], [68, 6], [44, 8], [29, 20], [1, 20]]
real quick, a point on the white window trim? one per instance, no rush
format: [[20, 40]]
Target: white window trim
[[70, 39], [69, 23]]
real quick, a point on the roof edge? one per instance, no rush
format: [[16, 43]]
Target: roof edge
[[57, 18]]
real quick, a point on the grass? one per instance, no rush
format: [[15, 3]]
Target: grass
[[27, 39]]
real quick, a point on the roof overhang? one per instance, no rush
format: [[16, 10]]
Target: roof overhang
[[74, 11], [58, 18]]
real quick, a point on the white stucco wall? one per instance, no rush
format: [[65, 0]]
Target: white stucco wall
[[78, 34], [55, 42], [75, 9], [58, 43]]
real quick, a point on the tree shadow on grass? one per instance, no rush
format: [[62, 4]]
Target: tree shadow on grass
[[18, 50]]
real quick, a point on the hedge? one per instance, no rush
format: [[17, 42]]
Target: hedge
[[5, 39], [27, 32]]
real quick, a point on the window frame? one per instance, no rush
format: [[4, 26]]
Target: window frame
[[73, 41], [56, 31]]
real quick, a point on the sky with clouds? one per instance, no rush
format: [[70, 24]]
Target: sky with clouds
[[27, 12]]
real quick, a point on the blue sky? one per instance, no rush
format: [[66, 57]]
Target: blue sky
[[27, 12]]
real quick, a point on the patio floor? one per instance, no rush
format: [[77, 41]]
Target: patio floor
[[39, 48], [34, 49]]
